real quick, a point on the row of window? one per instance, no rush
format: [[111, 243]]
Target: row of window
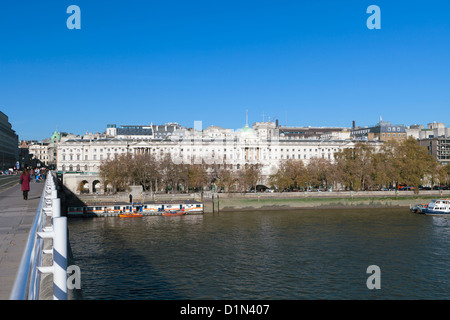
[[77, 168], [250, 157], [304, 156], [398, 129], [394, 135], [85, 168], [78, 157], [95, 150], [181, 149], [200, 149]]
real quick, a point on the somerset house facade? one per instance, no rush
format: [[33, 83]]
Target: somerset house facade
[[80, 158]]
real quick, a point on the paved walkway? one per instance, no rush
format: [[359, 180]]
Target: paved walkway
[[16, 218]]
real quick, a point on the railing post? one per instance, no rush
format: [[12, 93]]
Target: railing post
[[60, 258], [59, 267], [56, 207]]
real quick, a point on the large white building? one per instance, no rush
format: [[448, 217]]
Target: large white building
[[79, 159]]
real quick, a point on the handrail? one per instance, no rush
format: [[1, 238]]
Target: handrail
[[26, 285]]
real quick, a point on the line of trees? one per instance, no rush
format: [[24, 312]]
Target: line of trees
[[360, 168], [163, 174], [365, 168]]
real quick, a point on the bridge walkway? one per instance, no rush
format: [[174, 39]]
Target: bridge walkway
[[16, 218]]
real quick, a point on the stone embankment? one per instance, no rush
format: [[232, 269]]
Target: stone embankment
[[286, 200]]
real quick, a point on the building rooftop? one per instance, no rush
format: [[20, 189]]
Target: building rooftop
[[134, 131]]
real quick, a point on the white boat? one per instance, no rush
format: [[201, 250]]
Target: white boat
[[436, 207]]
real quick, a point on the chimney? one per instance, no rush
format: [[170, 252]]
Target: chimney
[[276, 123], [354, 125]]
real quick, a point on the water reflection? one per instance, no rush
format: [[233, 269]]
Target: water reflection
[[263, 255]]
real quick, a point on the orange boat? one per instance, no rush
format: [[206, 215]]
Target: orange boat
[[172, 213], [130, 215]]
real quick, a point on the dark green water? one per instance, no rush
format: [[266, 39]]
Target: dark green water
[[282, 255]]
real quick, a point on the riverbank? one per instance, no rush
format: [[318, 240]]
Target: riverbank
[[222, 202], [233, 204]]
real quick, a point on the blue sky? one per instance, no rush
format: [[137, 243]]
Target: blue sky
[[303, 62]]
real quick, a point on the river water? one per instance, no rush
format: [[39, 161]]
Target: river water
[[272, 255]]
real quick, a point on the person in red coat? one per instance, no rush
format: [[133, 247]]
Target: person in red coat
[[25, 178]]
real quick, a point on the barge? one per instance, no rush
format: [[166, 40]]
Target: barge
[[148, 208]]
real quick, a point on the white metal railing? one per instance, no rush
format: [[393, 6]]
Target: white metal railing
[[27, 282]]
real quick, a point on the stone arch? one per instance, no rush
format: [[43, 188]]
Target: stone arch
[[83, 186], [96, 186], [108, 187]]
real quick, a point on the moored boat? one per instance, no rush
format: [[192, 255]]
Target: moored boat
[[170, 213], [130, 215], [435, 207], [418, 208]]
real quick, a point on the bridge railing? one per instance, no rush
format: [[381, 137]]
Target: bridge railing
[[27, 282]]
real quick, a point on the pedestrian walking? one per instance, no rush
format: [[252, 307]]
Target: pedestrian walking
[[131, 198], [25, 179]]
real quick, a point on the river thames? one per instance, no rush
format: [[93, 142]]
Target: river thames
[[270, 255]]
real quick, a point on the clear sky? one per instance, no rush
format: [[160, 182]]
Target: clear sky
[[303, 62]]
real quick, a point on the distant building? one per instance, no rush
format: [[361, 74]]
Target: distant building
[[436, 137], [382, 131], [439, 147], [24, 154], [143, 132], [298, 133], [9, 146], [435, 129], [167, 130], [41, 153], [129, 132], [45, 152]]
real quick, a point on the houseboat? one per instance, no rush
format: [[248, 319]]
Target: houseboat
[[149, 208]]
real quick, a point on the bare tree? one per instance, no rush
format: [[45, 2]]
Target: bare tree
[[249, 176], [226, 178], [320, 173], [116, 172], [144, 170], [291, 174]]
